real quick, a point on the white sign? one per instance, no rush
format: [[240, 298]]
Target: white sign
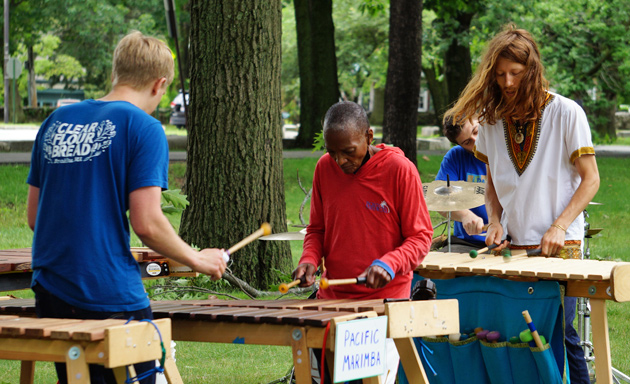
[[14, 68], [360, 349]]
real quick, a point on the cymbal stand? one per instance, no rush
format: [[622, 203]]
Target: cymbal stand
[[584, 309], [448, 234]]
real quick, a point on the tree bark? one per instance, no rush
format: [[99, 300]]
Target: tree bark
[[234, 175], [32, 84], [457, 61], [402, 90], [438, 91], [319, 87]]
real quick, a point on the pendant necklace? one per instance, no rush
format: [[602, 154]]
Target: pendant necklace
[[519, 135]]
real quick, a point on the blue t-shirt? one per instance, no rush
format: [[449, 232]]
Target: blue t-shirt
[[86, 160], [461, 165]]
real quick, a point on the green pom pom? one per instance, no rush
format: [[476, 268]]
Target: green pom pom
[[526, 336]]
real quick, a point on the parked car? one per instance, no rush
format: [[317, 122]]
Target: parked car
[[178, 110], [62, 102]]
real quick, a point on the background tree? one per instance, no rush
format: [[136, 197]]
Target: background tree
[[234, 175], [319, 88], [588, 51], [402, 89], [450, 68], [361, 37]]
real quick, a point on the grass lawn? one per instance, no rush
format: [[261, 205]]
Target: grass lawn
[[223, 363]]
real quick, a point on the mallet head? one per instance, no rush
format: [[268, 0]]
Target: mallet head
[[266, 229]]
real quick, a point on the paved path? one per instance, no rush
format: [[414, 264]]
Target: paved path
[[20, 136]]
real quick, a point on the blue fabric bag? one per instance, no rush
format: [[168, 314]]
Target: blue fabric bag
[[497, 304]]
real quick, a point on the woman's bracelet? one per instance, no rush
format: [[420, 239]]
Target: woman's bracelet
[[559, 227]]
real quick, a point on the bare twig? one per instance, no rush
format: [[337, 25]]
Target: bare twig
[[300, 182], [306, 198]]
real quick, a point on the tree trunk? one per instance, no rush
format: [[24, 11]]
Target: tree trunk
[[234, 175], [402, 90], [438, 91], [604, 116], [457, 61], [32, 84], [319, 88]]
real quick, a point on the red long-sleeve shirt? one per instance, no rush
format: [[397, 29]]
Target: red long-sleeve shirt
[[377, 213]]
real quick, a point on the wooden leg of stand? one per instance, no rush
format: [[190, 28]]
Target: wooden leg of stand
[[76, 366], [27, 372], [171, 372], [411, 361], [330, 362], [601, 342], [120, 374], [301, 360]]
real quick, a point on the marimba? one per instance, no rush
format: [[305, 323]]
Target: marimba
[[596, 280], [299, 324], [16, 272], [113, 343], [15, 269]]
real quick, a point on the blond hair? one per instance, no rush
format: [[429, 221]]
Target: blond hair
[[139, 60], [483, 96]]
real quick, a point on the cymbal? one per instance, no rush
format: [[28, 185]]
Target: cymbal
[[285, 236], [593, 231], [456, 196]]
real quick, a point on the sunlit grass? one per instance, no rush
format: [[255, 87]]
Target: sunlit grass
[[225, 363]]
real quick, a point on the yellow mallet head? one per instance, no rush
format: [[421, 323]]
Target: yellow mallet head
[[266, 228], [323, 283], [283, 288]]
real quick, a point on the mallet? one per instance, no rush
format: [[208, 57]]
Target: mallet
[[475, 252], [532, 328], [520, 252], [265, 229], [284, 287], [325, 283]]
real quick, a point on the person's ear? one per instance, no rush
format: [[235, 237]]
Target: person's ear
[[158, 84], [370, 136]]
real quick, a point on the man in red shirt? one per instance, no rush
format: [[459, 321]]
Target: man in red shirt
[[368, 215]]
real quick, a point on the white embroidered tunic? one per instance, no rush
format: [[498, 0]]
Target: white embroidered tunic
[[533, 168]]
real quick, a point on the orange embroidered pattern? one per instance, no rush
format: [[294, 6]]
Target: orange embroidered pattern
[[522, 140]]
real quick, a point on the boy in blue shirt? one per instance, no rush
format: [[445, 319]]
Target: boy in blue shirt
[[91, 163], [460, 164]]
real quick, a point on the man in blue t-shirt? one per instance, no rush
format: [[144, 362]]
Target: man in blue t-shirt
[[92, 162], [460, 164]]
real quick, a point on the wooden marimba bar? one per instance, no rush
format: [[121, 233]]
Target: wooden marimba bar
[[593, 279], [299, 324], [16, 272], [113, 343], [15, 269]]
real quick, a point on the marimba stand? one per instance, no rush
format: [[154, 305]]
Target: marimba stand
[[598, 281], [113, 343], [406, 320]]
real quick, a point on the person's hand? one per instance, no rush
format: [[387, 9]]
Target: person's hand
[[308, 271], [473, 224], [552, 241], [377, 277], [210, 262], [494, 235]]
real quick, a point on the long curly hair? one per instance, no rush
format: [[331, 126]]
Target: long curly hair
[[483, 96]]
